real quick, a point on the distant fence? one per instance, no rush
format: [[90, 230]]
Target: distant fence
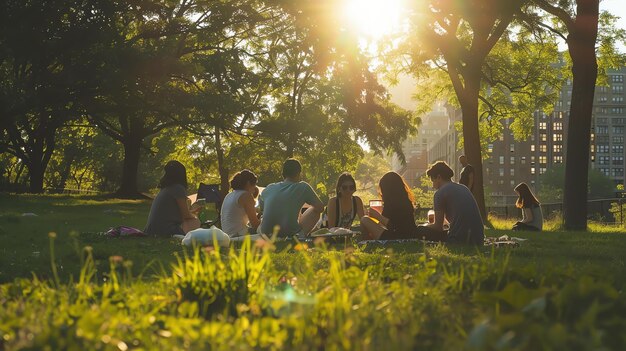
[[71, 191], [602, 210]]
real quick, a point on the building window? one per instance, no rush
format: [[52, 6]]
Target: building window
[[542, 170], [604, 171], [603, 89], [543, 148], [618, 139], [512, 182], [532, 170], [557, 126], [557, 159], [557, 137], [512, 160], [501, 160], [617, 172], [618, 120], [532, 147], [601, 121], [618, 149], [602, 149], [501, 170], [512, 172], [602, 129], [618, 129], [543, 125], [557, 148], [543, 160], [603, 160], [617, 99], [512, 147], [618, 160], [602, 99], [618, 78], [490, 148], [617, 89], [523, 160], [543, 137]]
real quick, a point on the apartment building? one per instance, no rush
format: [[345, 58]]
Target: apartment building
[[513, 161]]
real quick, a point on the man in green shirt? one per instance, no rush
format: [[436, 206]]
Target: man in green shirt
[[281, 203]]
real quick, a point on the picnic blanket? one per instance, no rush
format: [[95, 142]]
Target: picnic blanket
[[502, 241]]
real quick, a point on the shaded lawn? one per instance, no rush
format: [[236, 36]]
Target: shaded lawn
[[78, 221]]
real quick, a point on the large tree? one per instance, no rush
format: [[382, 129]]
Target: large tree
[[579, 20], [156, 45], [44, 58], [472, 44]]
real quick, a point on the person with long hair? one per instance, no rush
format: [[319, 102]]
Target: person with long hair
[[454, 202], [532, 217], [345, 207], [239, 216], [397, 220], [170, 213]]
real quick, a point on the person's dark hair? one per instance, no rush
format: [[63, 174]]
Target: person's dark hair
[[175, 173], [526, 197], [344, 177], [291, 168], [394, 191], [240, 179], [440, 168]]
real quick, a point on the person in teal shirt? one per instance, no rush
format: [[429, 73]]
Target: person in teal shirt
[[281, 204]]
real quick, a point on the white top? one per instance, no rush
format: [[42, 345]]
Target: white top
[[234, 218]]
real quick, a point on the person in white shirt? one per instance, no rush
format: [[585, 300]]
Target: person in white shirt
[[238, 214]]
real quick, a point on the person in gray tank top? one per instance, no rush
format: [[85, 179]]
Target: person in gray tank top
[[532, 217], [455, 203]]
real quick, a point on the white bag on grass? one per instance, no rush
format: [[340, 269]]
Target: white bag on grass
[[204, 236]]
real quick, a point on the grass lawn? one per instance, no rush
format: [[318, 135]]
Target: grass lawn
[[558, 290]]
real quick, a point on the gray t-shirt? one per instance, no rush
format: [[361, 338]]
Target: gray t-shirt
[[165, 217], [460, 208], [537, 221], [281, 203]]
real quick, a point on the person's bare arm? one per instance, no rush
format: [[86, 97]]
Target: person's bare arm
[[378, 216], [183, 207], [247, 202], [438, 224], [332, 212]]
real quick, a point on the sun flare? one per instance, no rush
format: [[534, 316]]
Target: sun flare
[[373, 18]]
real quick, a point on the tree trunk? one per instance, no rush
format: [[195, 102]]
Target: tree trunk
[[36, 173], [65, 173], [132, 152], [581, 44], [221, 167], [471, 134]]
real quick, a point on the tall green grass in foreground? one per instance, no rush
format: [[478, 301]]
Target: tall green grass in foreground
[[557, 290], [315, 298]]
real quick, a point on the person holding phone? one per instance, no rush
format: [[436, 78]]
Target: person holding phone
[[239, 216], [345, 207], [170, 213], [396, 220]]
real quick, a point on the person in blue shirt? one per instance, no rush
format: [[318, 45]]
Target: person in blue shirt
[[281, 204]]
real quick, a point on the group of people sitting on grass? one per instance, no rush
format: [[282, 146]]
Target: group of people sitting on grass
[[292, 208]]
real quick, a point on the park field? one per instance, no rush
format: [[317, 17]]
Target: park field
[[63, 285]]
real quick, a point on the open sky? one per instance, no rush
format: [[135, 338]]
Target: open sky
[[618, 8]]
